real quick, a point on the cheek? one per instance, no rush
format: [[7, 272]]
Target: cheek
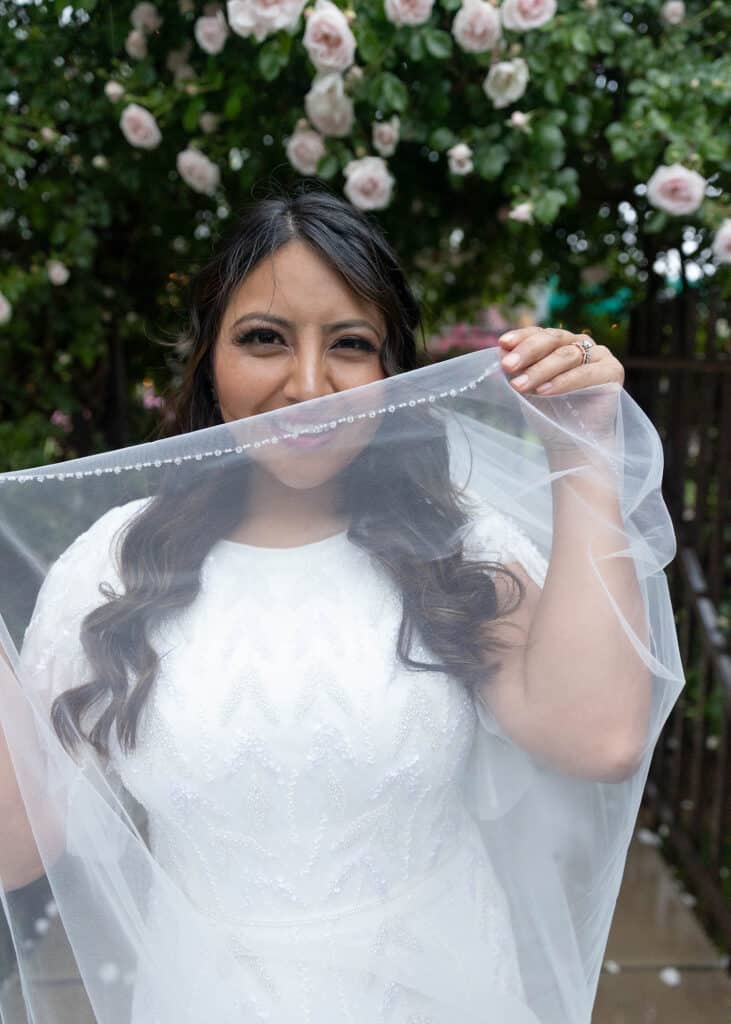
[[241, 384]]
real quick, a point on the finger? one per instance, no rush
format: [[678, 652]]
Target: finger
[[512, 338], [558, 361], [581, 377], [534, 345]]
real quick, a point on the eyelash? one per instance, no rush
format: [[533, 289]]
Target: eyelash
[[250, 335]]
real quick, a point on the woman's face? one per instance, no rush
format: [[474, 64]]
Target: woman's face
[[294, 331]]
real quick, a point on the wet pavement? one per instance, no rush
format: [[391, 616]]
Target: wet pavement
[[660, 967]]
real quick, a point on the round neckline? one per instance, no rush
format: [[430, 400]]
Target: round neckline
[[311, 546]]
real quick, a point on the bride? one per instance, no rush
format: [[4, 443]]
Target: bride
[[328, 735]]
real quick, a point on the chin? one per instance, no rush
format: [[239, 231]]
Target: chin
[[302, 471]]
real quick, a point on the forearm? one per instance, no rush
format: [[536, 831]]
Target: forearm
[[584, 681], [20, 861]]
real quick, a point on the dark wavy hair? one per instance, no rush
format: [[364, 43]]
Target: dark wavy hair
[[452, 601]]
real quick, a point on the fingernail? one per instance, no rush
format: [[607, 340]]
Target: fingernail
[[544, 387], [520, 381], [508, 336], [512, 360]]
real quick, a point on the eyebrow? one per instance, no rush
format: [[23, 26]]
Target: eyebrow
[[340, 325]]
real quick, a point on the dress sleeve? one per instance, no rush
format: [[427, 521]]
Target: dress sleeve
[[499, 772], [52, 659], [494, 536]]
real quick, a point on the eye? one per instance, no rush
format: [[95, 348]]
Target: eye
[[360, 343], [263, 337], [259, 332]]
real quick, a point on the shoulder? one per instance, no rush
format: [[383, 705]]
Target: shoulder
[[71, 584], [493, 535], [99, 541]]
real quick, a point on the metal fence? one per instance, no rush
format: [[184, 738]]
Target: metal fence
[[689, 789]]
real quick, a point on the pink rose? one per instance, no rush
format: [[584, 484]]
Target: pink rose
[[211, 32], [139, 127], [673, 12], [58, 272], [523, 213], [61, 419], [521, 15], [113, 91], [722, 243], [150, 397], [6, 310], [328, 106], [136, 44], [506, 81], [460, 159], [197, 171], [208, 122], [385, 135], [408, 12], [145, 18], [369, 184], [476, 27], [519, 120], [675, 189], [328, 40], [304, 149], [260, 18]]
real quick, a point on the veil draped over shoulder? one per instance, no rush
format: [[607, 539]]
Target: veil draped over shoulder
[[386, 776]]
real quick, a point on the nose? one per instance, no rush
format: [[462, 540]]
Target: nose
[[308, 375]]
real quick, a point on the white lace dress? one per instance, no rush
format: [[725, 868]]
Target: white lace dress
[[305, 791]]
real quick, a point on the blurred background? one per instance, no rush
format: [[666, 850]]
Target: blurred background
[[567, 164]]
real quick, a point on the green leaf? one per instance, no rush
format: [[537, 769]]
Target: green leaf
[[232, 107], [438, 43], [393, 93], [622, 149], [415, 45], [659, 121], [547, 205], [655, 223], [270, 61], [192, 113], [580, 118], [442, 139], [490, 161], [328, 166], [549, 136], [581, 40], [551, 90], [370, 44]]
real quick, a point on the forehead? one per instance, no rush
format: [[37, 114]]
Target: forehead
[[297, 283]]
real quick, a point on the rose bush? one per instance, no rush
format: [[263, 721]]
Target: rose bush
[[498, 143]]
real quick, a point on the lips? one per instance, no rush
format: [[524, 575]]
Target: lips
[[306, 428]]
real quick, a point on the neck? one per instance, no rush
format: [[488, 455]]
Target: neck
[[281, 516]]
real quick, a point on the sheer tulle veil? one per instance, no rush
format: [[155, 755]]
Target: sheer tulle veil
[[341, 779]]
